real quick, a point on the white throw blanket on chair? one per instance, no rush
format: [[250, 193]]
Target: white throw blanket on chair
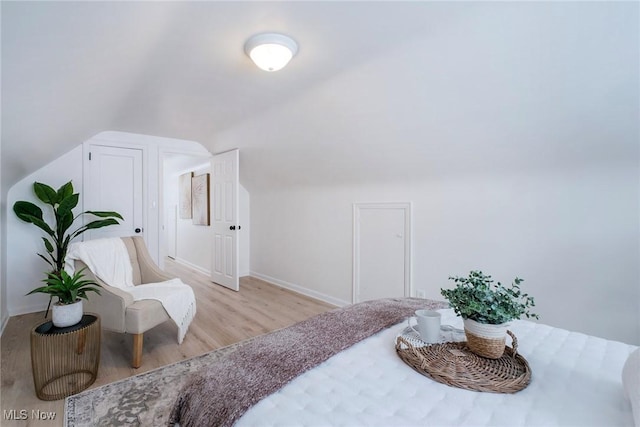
[[109, 260]]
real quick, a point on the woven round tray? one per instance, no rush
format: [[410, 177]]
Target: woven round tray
[[452, 363]]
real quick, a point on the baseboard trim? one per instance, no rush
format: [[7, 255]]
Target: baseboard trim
[[193, 266], [300, 289], [26, 309]]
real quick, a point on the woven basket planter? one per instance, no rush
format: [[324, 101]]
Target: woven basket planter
[[486, 340]]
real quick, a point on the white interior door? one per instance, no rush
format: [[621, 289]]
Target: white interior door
[[115, 184], [225, 204], [382, 245]]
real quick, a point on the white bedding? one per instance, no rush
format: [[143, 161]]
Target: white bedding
[[576, 381]]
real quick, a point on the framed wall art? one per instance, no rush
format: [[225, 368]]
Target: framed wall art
[[200, 199], [184, 188]]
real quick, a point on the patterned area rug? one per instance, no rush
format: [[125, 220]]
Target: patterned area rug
[[142, 400]]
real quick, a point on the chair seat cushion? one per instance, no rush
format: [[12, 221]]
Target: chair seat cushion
[[143, 315]]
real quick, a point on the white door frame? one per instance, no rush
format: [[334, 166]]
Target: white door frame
[[357, 207], [164, 154]]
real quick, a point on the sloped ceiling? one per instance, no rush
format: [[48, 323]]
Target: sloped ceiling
[[378, 91]]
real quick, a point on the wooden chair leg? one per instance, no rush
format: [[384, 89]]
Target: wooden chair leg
[[137, 350]]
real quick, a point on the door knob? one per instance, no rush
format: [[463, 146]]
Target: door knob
[[233, 227], [137, 230], [239, 227]]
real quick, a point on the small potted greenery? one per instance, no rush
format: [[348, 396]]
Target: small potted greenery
[[487, 308], [70, 290], [59, 236]]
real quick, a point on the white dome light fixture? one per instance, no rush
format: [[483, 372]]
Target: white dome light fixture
[[271, 51]]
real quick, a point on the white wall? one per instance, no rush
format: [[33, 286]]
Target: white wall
[[573, 236], [513, 130]]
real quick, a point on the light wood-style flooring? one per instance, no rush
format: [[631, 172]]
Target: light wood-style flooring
[[223, 317]]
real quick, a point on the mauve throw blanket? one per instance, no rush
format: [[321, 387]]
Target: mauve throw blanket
[[219, 395]]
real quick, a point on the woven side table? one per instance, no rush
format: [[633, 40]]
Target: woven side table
[[65, 360]]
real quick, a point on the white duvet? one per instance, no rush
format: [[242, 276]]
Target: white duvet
[[576, 381]]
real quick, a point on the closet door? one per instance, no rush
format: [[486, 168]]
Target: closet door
[[382, 251], [114, 183]]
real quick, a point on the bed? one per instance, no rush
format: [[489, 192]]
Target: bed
[[577, 380]]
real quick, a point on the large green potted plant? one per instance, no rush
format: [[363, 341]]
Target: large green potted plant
[[58, 234], [487, 308]]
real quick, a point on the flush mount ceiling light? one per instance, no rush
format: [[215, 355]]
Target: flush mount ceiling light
[[271, 51]]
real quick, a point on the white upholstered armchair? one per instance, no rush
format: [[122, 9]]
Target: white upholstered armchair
[[117, 308]]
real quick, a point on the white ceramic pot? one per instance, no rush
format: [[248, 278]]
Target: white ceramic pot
[[64, 315], [484, 339]]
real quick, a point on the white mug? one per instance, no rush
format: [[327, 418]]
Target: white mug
[[428, 325]]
